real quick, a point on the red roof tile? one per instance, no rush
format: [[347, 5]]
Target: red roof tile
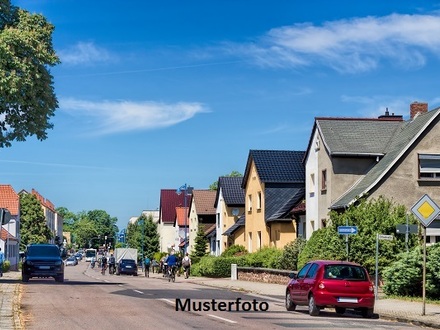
[[44, 202], [182, 216], [9, 199], [169, 200]]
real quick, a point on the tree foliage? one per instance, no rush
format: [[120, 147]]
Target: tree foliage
[[289, 257], [27, 98], [143, 235], [33, 226], [200, 243]]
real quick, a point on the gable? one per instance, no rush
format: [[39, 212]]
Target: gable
[[9, 199]]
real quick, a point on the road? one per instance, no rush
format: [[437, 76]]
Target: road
[[89, 300]]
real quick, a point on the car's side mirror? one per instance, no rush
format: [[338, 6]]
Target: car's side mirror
[[293, 275]]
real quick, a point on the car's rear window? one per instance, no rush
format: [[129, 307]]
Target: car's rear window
[[43, 251], [128, 261], [344, 272]]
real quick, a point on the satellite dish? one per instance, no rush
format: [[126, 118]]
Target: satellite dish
[[235, 212]]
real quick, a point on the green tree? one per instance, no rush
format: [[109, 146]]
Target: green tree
[[200, 243], [151, 238], [27, 97], [289, 257], [33, 227], [214, 185]]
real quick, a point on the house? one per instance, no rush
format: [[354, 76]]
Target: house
[[201, 212], [53, 220], [181, 225], [348, 158], [274, 185], [10, 232], [169, 200], [229, 206]]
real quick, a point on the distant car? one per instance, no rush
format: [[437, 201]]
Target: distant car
[[78, 256], [71, 261], [127, 266], [335, 284], [42, 260]]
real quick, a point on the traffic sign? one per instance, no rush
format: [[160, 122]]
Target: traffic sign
[[426, 210], [347, 230], [410, 229], [5, 216], [386, 237]]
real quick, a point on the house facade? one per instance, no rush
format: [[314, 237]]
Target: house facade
[[348, 158], [53, 220], [229, 207], [273, 184], [10, 232]]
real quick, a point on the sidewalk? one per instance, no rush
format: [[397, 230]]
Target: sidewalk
[[391, 309], [9, 301]]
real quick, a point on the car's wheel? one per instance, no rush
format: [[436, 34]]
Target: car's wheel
[[340, 310], [290, 306], [313, 309], [367, 312], [24, 278], [59, 278]]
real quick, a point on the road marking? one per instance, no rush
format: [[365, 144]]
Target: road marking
[[168, 301], [221, 318], [138, 291]]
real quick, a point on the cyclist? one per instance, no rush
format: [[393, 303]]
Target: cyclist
[[111, 264], [171, 263], [186, 263], [2, 259], [103, 264]]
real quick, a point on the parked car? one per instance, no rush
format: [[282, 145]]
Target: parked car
[[78, 256], [127, 266], [42, 260], [71, 261], [334, 284]]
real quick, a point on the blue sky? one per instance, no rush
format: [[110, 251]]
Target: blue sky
[[155, 94]]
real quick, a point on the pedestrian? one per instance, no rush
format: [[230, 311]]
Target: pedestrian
[[186, 263], [147, 263], [2, 260]]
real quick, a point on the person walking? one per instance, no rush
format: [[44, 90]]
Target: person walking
[[2, 260], [186, 263], [147, 263]]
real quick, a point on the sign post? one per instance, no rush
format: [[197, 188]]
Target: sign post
[[426, 210], [347, 230]]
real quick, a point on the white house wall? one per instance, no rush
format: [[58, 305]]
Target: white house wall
[[312, 194]]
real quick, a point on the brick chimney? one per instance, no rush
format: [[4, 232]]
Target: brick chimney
[[417, 108]]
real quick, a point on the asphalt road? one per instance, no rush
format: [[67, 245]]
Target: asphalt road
[[89, 300]]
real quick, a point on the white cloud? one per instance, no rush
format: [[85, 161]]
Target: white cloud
[[353, 45], [85, 53], [121, 116]]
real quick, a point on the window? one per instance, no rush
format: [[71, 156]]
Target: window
[[250, 242], [259, 239], [429, 166], [324, 180], [303, 271], [312, 271], [259, 201], [312, 183], [218, 219], [249, 203]]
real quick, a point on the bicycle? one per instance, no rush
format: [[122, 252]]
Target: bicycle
[[171, 274], [103, 268]]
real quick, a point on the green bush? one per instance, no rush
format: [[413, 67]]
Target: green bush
[[6, 266], [267, 257], [211, 266], [234, 250], [289, 257]]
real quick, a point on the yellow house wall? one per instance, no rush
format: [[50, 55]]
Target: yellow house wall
[[282, 233], [228, 221], [239, 237], [255, 215]]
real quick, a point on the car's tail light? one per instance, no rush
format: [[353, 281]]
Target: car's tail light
[[321, 285], [371, 288]]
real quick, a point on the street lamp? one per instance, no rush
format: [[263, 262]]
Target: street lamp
[[187, 190], [141, 222]]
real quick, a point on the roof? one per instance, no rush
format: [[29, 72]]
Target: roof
[[182, 219], [44, 201], [169, 200], [396, 148], [9, 199], [5, 235], [356, 136], [204, 201], [280, 201], [210, 230], [280, 166], [237, 225], [232, 192]]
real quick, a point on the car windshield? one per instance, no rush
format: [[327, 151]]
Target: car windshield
[[342, 272], [43, 251]]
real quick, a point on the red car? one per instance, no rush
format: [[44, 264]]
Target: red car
[[335, 284]]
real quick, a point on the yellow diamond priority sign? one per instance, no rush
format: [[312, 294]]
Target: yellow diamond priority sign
[[426, 210]]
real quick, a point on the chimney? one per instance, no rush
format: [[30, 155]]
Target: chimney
[[417, 108]]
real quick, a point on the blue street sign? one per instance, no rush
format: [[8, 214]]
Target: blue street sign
[[347, 230]]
